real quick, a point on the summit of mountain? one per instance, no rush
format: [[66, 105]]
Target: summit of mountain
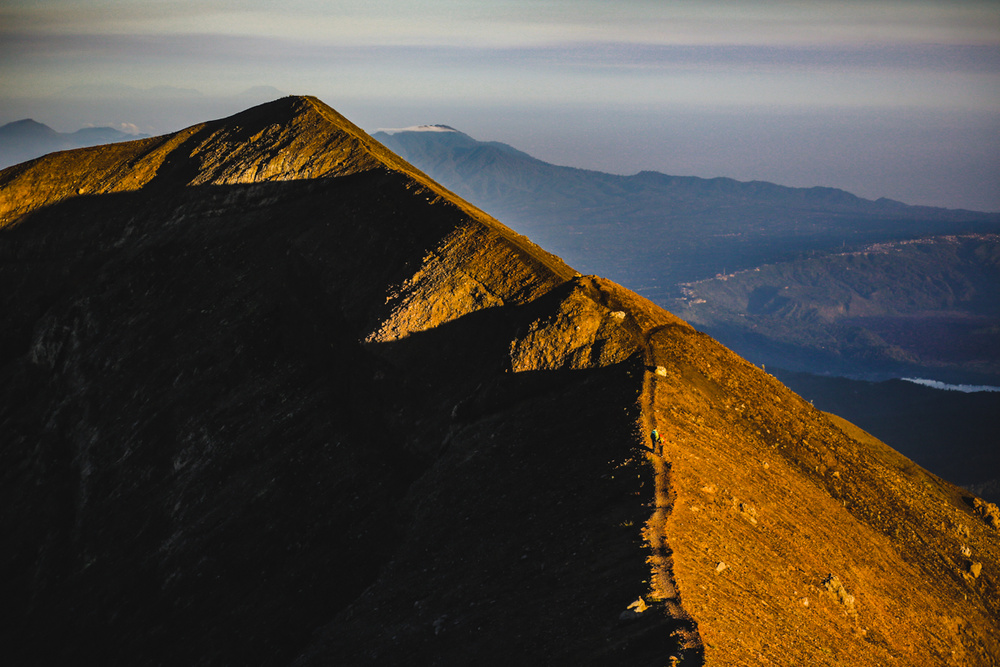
[[271, 395]]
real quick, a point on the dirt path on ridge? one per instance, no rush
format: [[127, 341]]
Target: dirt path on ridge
[[664, 587]]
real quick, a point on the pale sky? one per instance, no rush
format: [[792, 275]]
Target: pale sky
[[882, 98]]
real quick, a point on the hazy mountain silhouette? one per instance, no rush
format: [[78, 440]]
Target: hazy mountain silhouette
[[273, 396], [651, 231], [27, 139]]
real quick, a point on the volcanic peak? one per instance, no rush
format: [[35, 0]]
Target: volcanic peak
[[293, 138]]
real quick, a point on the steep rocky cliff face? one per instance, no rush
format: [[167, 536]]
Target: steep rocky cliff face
[[272, 396]]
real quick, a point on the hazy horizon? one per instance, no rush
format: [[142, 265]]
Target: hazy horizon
[[882, 99]]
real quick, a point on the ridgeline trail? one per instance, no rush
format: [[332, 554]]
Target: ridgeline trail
[[664, 593]]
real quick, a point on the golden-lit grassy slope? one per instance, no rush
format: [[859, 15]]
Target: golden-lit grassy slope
[[248, 148], [793, 536], [778, 505], [265, 382]]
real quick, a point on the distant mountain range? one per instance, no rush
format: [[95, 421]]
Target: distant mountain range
[[668, 238], [27, 139], [651, 231]]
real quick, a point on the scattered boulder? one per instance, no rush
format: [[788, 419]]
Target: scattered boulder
[[836, 589], [634, 610], [988, 511], [748, 511]]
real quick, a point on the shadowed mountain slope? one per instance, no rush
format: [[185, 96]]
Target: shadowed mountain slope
[[272, 396]]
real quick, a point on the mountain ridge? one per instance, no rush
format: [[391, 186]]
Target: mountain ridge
[[288, 395], [817, 193]]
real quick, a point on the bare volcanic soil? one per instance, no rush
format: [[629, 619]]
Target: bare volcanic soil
[[269, 395]]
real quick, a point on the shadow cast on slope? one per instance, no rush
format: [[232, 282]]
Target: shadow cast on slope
[[198, 446]]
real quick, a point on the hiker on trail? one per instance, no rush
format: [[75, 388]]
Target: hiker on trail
[[655, 436]]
